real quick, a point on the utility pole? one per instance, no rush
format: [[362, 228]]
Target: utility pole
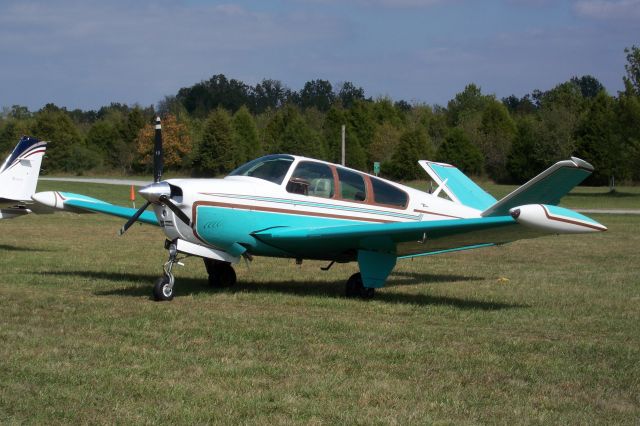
[[343, 135]]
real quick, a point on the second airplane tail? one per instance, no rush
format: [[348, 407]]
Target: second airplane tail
[[19, 172]]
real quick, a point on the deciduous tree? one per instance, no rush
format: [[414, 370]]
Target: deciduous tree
[[176, 141]]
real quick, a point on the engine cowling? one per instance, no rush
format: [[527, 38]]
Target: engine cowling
[[554, 219]]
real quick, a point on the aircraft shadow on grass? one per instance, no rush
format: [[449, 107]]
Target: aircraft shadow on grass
[[9, 247], [334, 289]]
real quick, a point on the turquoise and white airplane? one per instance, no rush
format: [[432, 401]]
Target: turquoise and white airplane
[[295, 207], [19, 177]]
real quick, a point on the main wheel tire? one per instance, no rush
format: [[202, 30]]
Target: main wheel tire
[[161, 290], [221, 275], [355, 288]]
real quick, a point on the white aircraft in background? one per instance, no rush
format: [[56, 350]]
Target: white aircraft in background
[[301, 208], [19, 177]]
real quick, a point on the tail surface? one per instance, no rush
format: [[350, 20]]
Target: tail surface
[[546, 188], [19, 172], [458, 187]]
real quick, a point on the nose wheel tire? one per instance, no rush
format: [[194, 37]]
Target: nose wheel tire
[[163, 290], [355, 288]]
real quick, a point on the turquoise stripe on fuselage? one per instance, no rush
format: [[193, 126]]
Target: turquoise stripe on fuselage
[[221, 226]]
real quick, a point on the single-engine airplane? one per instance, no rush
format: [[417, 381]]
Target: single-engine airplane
[[296, 207], [19, 177]]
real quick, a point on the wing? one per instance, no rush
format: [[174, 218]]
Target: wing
[[78, 203], [405, 239]]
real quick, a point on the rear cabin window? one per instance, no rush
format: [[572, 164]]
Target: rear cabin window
[[383, 193], [314, 179], [351, 185]]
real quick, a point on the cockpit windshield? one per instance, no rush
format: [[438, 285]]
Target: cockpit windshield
[[270, 167]]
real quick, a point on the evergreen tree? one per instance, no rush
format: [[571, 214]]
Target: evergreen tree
[[245, 136], [628, 126], [523, 161], [599, 143], [216, 153], [497, 131], [360, 131], [299, 139], [332, 133], [458, 150], [275, 127], [414, 145]]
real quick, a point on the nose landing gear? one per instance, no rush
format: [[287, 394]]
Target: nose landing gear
[[163, 288]]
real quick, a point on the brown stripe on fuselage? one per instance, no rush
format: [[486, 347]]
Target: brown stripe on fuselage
[[436, 214], [572, 222], [283, 211]]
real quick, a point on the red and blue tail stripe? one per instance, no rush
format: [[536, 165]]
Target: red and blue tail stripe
[[26, 148]]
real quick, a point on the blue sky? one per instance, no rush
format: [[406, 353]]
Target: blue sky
[[86, 54]]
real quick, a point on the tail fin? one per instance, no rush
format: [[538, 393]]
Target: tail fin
[[19, 172], [546, 188], [458, 187]]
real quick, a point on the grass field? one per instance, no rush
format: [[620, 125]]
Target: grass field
[[539, 331]]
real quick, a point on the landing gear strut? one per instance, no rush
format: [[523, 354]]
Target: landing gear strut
[[355, 288], [221, 274], [163, 289]]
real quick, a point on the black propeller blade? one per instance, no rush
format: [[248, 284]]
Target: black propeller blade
[[133, 218], [158, 161], [183, 217]]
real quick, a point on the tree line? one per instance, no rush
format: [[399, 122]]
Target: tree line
[[215, 125]]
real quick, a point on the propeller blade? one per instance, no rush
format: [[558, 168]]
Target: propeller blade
[[181, 215], [158, 161], [133, 218]]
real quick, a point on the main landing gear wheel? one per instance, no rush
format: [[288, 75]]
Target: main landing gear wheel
[[355, 288], [221, 274], [162, 290]]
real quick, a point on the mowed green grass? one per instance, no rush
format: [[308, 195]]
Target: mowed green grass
[[538, 331]]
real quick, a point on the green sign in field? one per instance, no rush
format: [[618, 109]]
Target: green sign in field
[[376, 168]]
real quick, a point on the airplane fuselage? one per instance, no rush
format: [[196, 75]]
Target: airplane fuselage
[[226, 213]]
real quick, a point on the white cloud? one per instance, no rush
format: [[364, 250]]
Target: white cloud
[[608, 9], [388, 4]]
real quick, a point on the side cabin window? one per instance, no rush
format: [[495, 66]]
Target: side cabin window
[[352, 186], [384, 193], [314, 179]]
